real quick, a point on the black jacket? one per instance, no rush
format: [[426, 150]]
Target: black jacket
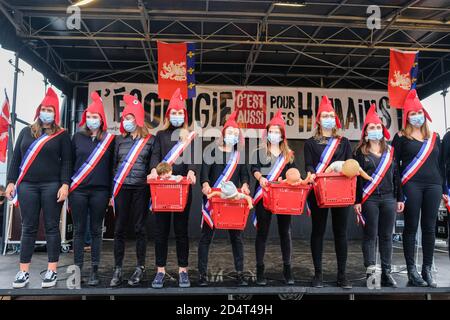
[[137, 177], [313, 151]]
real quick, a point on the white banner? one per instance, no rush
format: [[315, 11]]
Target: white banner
[[256, 105]]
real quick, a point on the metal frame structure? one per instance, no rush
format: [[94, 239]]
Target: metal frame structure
[[321, 44]]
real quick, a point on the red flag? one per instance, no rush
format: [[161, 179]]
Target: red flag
[[403, 68], [176, 66], [5, 121]]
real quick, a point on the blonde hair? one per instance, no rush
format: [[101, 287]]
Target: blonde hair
[[36, 128], [163, 168], [424, 129], [284, 146], [364, 146]]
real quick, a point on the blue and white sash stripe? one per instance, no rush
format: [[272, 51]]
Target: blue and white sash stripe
[[177, 149], [418, 160], [378, 174], [327, 154]]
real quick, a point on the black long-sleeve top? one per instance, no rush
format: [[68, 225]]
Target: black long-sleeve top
[[101, 176], [431, 172], [137, 177], [53, 163], [211, 172], [313, 151], [163, 143], [262, 162], [445, 157], [391, 183]]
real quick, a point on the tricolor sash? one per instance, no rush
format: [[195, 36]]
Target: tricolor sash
[[226, 175], [273, 175], [178, 149], [419, 159], [92, 161], [127, 164], [377, 177], [30, 156], [327, 154]]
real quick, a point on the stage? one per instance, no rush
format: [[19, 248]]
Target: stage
[[221, 275]]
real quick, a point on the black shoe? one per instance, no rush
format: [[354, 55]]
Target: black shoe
[[93, 277], [317, 280], [116, 278], [202, 280], [183, 280], [343, 282], [137, 276], [287, 273], [427, 276], [158, 281], [260, 278], [21, 280], [241, 281], [386, 279], [414, 279]]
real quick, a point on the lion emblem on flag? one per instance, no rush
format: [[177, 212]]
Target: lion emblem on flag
[[401, 80], [174, 71]]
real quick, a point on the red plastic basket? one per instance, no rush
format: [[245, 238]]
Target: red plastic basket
[[282, 198], [228, 214], [169, 195], [334, 190]]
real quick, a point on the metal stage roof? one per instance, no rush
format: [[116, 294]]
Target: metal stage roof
[[325, 43]]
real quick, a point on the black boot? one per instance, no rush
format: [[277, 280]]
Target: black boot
[[343, 282], [202, 280], [260, 278], [117, 277], [386, 278], [241, 281], [414, 279], [317, 280], [137, 276], [93, 277], [427, 276], [287, 273]]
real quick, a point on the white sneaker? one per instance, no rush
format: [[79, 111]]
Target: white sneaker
[[49, 279], [21, 280]]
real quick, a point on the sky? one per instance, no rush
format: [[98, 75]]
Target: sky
[[31, 90]]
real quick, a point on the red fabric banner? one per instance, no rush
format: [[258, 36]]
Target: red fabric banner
[[403, 68], [172, 67]]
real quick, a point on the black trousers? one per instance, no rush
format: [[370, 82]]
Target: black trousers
[[319, 218], [379, 213], [422, 203], [32, 198], [162, 229], [264, 217], [86, 203], [205, 241], [131, 203]]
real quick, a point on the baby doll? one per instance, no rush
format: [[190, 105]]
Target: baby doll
[[350, 168], [164, 171], [293, 178], [229, 191]]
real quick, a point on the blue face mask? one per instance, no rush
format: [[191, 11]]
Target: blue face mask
[[47, 117], [129, 125], [274, 138], [417, 120], [93, 124], [328, 123], [375, 135], [176, 120], [231, 139]]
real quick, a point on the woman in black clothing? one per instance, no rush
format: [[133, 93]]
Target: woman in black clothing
[[445, 160], [45, 185], [263, 160], [212, 169], [377, 201], [326, 139], [90, 191], [130, 190], [174, 134], [423, 186]]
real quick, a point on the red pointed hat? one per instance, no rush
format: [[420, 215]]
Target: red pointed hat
[[50, 100], [95, 107], [325, 106], [412, 103], [372, 117], [278, 120], [177, 103], [133, 106]]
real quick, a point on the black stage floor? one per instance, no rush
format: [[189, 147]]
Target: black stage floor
[[221, 273]]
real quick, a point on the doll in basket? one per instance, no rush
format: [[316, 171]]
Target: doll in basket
[[294, 178], [164, 171], [229, 191], [350, 168]]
